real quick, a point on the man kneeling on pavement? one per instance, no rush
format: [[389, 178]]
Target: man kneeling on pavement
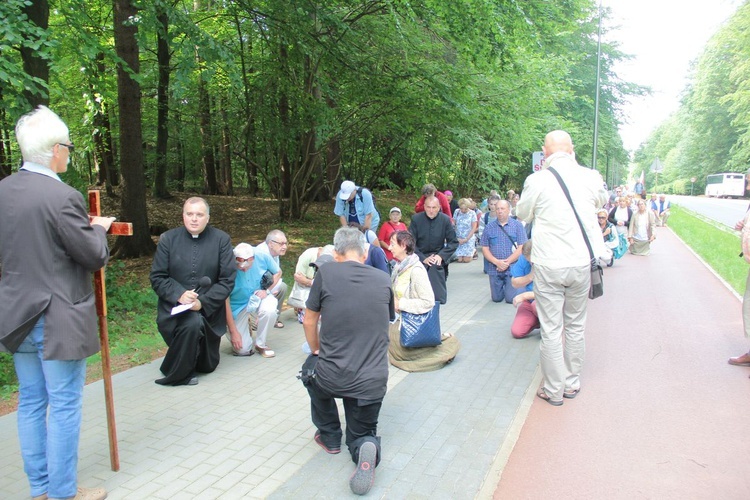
[[250, 298], [350, 353]]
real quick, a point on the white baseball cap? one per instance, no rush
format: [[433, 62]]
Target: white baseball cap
[[244, 251], [347, 188]]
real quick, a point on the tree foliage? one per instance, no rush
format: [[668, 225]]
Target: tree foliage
[[710, 132], [287, 98]]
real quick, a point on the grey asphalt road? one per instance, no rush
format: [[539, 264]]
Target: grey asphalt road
[[727, 212]]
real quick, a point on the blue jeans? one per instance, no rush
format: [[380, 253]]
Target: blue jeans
[[49, 445]]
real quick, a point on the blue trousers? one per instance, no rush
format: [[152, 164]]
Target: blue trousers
[[49, 445], [501, 289]]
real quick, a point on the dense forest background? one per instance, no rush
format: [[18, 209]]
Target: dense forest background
[[286, 98], [710, 132]]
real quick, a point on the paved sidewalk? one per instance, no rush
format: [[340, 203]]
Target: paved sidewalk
[[661, 415], [245, 430]]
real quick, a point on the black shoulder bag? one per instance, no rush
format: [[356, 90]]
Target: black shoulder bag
[[597, 275]]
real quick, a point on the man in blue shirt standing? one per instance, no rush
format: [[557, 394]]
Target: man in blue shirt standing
[[247, 298], [355, 204], [501, 245]]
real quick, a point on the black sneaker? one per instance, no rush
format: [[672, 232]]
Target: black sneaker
[[364, 477], [333, 450]]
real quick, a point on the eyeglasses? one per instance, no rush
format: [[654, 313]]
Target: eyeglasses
[[70, 146], [281, 243], [241, 260], [601, 217]]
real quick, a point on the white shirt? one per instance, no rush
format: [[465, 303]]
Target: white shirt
[[263, 247], [556, 235]]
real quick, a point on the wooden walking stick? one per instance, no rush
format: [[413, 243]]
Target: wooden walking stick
[[100, 292]]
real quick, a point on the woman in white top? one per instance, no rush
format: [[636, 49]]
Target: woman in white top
[[621, 214], [413, 293]]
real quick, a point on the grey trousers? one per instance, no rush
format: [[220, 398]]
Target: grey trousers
[[561, 300], [280, 293]]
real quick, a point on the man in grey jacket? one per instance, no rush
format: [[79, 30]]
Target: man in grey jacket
[[48, 250]]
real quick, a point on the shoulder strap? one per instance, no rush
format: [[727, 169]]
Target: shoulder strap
[[359, 193], [512, 243], [487, 217], [567, 195]]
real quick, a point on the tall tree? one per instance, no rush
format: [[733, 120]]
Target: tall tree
[[34, 62], [133, 201], [163, 56]]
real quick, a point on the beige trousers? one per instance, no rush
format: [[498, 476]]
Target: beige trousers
[[746, 307], [561, 300]]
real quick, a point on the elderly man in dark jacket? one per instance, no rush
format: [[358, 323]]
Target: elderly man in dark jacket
[[436, 241], [49, 249]]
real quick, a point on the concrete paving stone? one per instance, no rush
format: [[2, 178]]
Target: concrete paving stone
[[144, 479], [182, 495], [228, 480], [211, 493], [265, 488], [198, 485], [170, 488], [196, 459]]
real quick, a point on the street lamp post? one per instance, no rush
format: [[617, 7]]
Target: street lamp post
[[598, 79]]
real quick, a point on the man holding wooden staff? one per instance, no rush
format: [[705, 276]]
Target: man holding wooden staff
[[48, 250]]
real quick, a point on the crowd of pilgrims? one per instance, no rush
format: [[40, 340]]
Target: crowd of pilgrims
[[419, 283]]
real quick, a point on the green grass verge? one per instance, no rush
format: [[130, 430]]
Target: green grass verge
[[719, 248]]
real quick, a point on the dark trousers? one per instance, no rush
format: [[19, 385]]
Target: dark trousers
[[437, 275], [361, 420], [193, 347], [501, 289]]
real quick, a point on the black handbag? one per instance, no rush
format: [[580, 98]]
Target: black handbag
[[596, 289]]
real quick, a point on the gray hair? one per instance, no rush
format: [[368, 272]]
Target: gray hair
[[494, 197], [37, 133], [274, 234], [349, 239], [196, 199]]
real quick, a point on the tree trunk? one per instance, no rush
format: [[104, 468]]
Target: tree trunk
[[162, 106], [225, 149], [104, 157], [180, 171], [208, 161], [38, 14], [133, 202], [5, 151]]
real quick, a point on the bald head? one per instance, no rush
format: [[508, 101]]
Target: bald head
[[557, 141]]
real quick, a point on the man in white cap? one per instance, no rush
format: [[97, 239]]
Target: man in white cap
[[355, 204], [247, 298]]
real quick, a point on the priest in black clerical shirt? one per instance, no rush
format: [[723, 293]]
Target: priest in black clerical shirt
[[184, 258]]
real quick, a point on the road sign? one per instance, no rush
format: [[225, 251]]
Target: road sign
[[537, 160], [656, 166]]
